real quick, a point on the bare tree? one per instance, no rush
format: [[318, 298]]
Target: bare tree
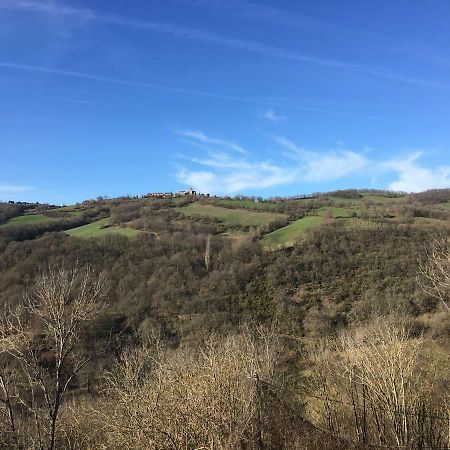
[[39, 345], [208, 253], [434, 273]]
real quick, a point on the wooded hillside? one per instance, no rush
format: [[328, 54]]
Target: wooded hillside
[[227, 323]]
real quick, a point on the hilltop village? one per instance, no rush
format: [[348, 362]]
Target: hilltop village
[[189, 192]]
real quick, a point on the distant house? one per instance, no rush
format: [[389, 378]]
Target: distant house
[[190, 191]]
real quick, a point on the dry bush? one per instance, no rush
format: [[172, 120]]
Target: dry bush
[[186, 399], [226, 395], [78, 425], [380, 386]]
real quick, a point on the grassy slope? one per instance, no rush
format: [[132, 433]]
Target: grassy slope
[[178, 200], [287, 236], [95, 229], [231, 217], [248, 204], [334, 212], [29, 219]]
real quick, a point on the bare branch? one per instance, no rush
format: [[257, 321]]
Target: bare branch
[[434, 273]]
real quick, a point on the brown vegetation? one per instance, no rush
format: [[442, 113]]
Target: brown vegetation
[[339, 342]]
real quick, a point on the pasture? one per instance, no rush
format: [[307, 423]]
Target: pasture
[[100, 228], [247, 204], [334, 212], [29, 219], [231, 217], [287, 236]]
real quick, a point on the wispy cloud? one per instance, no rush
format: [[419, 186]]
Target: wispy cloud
[[289, 19], [323, 166], [277, 16], [49, 7], [272, 116], [266, 13], [170, 29], [216, 39], [70, 100], [177, 90], [243, 177], [202, 137], [412, 177], [8, 189], [217, 170]]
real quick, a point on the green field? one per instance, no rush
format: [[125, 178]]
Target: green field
[[29, 219], [96, 229], [232, 217], [287, 236], [334, 212], [248, 204]]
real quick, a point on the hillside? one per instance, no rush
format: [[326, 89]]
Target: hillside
[[164, 239], [213, 280]]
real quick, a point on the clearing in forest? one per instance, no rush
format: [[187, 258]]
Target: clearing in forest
[[29, 219], [231, 217], [247, 204], [334, 212], [99, 229], [287, 236]]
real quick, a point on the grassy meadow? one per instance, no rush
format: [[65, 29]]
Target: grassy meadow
[[231, 217], [247, 204], [100, 228], [28, 219], [287, 236], [334, 212]]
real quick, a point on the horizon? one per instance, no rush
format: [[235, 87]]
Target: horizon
[[182, 193], [231, 98]]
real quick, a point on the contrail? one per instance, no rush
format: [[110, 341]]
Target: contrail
[[177, 90], [216, 39]]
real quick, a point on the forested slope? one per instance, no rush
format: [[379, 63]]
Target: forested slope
[[180, 280]]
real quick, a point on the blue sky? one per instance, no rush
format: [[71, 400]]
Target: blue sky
[[106, 97]]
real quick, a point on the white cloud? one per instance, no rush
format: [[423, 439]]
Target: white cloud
[[323, 166], [272, 116], [222, 172], [334, 165], [414, 178], [227, 173], [203, 181], [289, 145]]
